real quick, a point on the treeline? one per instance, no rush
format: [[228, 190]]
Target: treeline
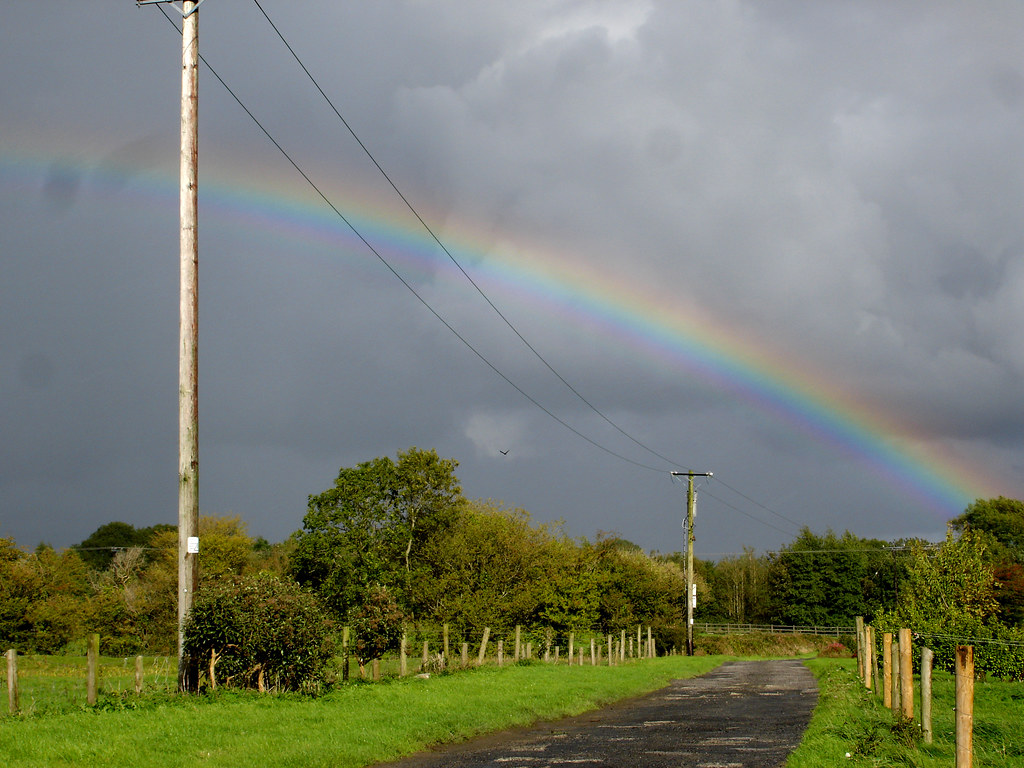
[[397, 538]]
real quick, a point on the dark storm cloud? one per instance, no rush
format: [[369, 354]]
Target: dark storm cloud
[[839, 184]]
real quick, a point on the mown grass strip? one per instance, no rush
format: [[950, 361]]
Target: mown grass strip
[[851, 727], [355, 725]]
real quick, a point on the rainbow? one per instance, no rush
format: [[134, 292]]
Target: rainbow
[[683, 336]]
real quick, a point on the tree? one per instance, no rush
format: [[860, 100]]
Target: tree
[[369, 529], [1000, 518]]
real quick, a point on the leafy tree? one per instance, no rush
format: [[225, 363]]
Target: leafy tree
[[1000, 518], [99, 548], [821, 580], [489, 568], [369, 529]]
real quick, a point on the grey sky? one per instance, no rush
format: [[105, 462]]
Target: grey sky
[[836, 185]]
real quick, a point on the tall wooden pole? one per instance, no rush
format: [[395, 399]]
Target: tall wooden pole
[[691, 512], [188, 336], [691, 505]]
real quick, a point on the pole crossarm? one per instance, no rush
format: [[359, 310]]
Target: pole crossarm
[[179, 8]]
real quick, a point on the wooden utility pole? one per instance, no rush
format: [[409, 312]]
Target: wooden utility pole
[[188, 347], [691, 513]]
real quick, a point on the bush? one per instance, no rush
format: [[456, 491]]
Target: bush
[[259, 632], [378, 626]]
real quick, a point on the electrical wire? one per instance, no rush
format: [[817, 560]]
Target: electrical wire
[[397, 274], [449, 254]]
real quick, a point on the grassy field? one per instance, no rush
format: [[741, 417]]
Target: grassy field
[[852, 721], [354, 725]]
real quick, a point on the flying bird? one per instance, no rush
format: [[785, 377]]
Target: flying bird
[[505, 452]]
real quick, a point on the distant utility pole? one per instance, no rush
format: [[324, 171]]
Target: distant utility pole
[[188, 333], [691, 512]]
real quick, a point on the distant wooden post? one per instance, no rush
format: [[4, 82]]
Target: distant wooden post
[[581, 657], [447, 650], [964, 705], [139, 674], [92, 670], [622, 646], [426, 655], [558, 649], [650, 644], [887, 670], [859, 629], [12, 681], [639, 651], [572, 646], [376, 669], [465, 655], [611, 655], [518, 638], [344, 654], [529, 650], [906, 674], [501, 653], [403, 657], [483, 647], [896, 688], [927, 658], [868, 657], [593, 654]]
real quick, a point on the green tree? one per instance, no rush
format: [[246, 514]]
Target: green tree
[[368, 530], [1000, 518]]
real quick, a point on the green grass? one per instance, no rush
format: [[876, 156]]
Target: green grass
[[355, 725], [851, 720]]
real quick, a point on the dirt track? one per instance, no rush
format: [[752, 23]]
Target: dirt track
[[750, 713]]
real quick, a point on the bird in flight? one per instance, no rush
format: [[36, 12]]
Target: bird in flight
[[505, 452]]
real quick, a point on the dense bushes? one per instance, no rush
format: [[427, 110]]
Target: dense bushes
[[259, 632]]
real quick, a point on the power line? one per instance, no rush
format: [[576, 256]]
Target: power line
[[398, 275], [448, 253]]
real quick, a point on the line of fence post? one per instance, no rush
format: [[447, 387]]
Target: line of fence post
[[483, 647], [887, 670]]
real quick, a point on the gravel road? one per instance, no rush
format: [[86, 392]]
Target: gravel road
[[742, 714]]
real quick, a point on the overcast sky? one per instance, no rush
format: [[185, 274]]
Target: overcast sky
[[777, 241]]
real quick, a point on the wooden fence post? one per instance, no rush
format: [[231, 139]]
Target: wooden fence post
[[447, 649], [12, 681], [869, 656], [572, 646], [611, 655], [859, 631], [92, 670], [518, 637], [483, 647], [896, 688], [376, 669], [622, 646], [906, 674], [344, 654], [593, 654], [558, 650], [403, 658], [501, 653], [465, 655], [426, 655], [139, 674], [964, 705], [887, 670], [650, 644], [927, 658]]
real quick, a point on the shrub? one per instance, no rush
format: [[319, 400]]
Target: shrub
[[259, 632], [378, 625]]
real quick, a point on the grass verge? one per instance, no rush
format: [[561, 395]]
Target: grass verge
[[851, 727], [355, 725]]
